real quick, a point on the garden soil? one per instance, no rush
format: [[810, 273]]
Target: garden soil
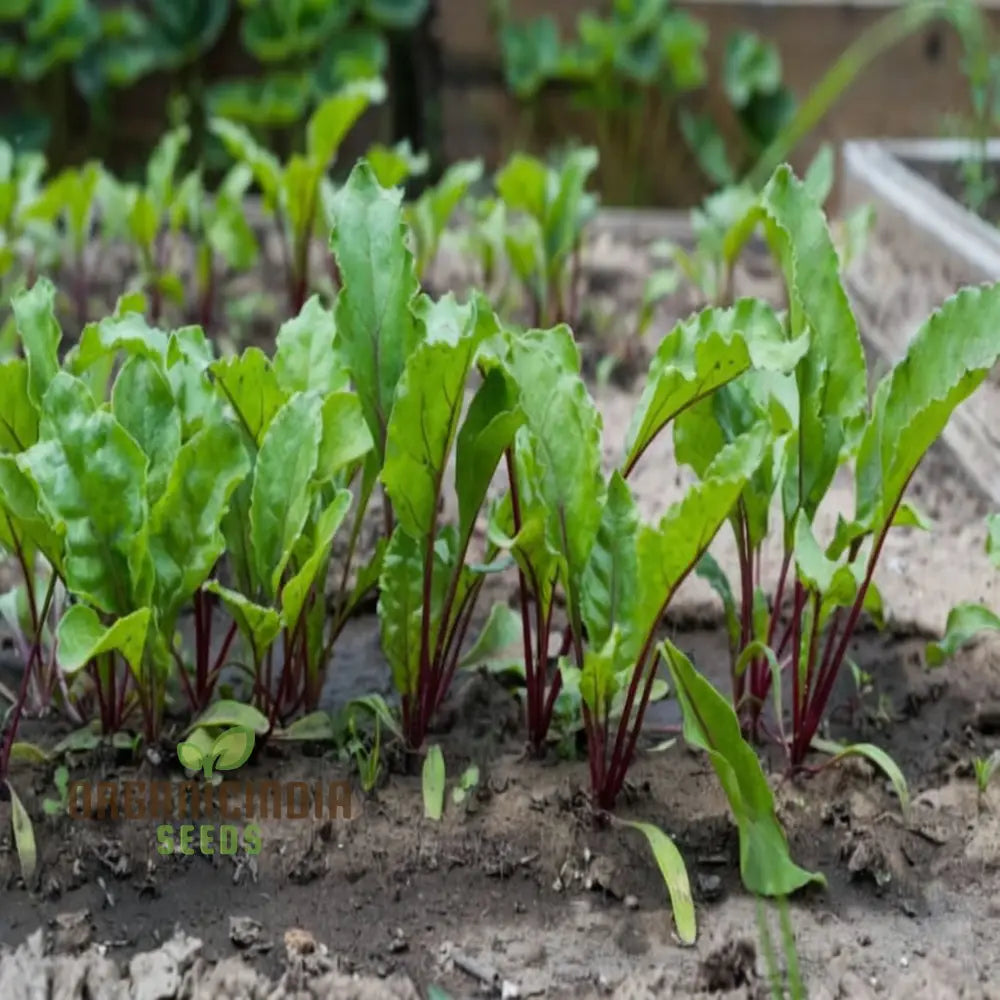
[[516, 893]]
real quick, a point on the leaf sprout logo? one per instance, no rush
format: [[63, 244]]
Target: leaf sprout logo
[[229, 751]]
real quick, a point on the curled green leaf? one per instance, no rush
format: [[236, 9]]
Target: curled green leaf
[[675, 876]]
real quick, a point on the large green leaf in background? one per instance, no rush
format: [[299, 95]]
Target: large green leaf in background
[[376, 326], [395, 14], [278, 30], [336, 115]]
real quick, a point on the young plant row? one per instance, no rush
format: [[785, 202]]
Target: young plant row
[[303, 52], [143, 479], [631, 68], [184, 242]]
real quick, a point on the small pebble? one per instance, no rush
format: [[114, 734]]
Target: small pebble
[[631, 903], [710, 887]]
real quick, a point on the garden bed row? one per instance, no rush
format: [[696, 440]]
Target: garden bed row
[[516, 881]]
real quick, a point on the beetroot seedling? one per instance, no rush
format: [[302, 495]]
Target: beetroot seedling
[[294, 191]]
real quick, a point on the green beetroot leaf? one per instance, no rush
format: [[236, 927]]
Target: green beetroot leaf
[[702, 354], [91, 476], [305, 356], [376, 325], [258, 624], [549, 517], [425, 423], [34, 312], [346, 439], [83, 637], [555, 210], [947, 360], [189, 356], [337, 115], [280, 525], [92, 359], [710, 724], [24, 837], [296, 590], [523, 185], [610, 584], [675, 877], [426, 414], [251, 386], [277, 32], [569, 206], [528, 547], [966, 622], [669, 551], [185, 537], [143, 403], [831, 376], [429, 215], [280, 496], [838, 581], [242, 146], [394, 164], [565, 428], [400, 15], [433, 782], [493, 418], [400, 611], [19, 415], [236, 532], [492, 648], [993, 539], [818, 414], [660, 556], [24, 523]]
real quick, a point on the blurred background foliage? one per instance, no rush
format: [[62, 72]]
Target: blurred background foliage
[[85, 79], [73, 72]]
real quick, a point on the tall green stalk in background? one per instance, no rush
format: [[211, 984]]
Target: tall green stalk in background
[[882, 36]]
